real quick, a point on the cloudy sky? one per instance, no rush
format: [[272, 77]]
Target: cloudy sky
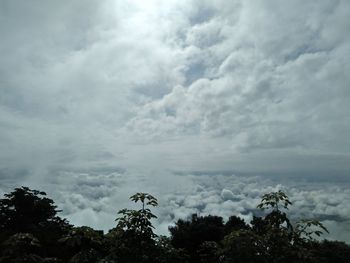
[[205, 104]]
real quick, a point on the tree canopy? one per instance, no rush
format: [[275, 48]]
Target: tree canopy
[[32, 231]]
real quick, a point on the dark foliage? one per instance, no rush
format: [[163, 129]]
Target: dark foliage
[[30, 211], [235, 223], [190, 235], [31, 231]]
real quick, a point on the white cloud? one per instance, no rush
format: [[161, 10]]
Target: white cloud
[[95, 95], [227, 194]]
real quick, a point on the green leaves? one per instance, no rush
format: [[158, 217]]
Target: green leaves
[[305, 229], [273, 200], [30, 211], [283, 240], [144, 198], [269, 238], [134, 239], [138, 221]]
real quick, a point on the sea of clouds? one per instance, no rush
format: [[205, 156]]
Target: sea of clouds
[[94, 199], [103, 99]]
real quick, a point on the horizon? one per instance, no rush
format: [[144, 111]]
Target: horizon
[[204, 104]]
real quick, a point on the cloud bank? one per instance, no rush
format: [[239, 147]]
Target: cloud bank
[[101, 99]]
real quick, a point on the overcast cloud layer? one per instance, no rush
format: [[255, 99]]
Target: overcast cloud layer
[[184, 99]]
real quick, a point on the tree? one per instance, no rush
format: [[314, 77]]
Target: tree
[[133, 240], [243, 246], [167, 253], [235, 223], [330, 251], [21, 247], [31, 231], [191, 234], [83, 245], [138, 221], [283, 241], [30, 211]]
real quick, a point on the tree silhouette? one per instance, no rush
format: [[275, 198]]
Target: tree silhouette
[[83, 244], [31, 231], [30, 211], [190, 235], [138, 221], [284, 242], [133, 240], [235, 223]]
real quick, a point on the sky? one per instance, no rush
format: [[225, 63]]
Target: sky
[[205, 104]]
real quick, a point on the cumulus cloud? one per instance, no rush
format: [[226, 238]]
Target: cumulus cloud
[[242, 76], [99, 100], [227, 194], [265, 83]]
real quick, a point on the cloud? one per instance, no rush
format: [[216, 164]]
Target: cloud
[[245, 77], [95, 198], [105, 99], [226, 194], [204, 194]]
